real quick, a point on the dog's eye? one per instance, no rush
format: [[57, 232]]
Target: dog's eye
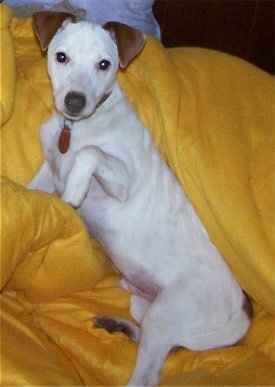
[[104, 65], [61, 57]]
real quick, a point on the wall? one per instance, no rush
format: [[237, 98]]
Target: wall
[[242, 28]]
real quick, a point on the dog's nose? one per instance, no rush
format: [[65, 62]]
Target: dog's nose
[[75, 102]]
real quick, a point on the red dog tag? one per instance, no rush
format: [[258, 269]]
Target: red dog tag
[[64, 140]]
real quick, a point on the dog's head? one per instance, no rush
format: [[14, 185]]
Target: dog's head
[[83, 59]]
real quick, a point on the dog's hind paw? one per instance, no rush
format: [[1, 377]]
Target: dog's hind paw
[[115, 324]]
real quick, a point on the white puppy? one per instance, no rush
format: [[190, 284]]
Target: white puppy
[[102, 161]]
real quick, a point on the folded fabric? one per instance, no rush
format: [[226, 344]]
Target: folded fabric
[[7, 67], [46, 250]]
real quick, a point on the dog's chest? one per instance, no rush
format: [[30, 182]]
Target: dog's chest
[[61, 162]]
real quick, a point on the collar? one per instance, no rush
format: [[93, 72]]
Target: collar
[[68, 124], [103, 99]]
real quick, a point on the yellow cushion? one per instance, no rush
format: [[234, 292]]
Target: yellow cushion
[[42, 240], [7, 65], [212, 116], [224, 153]]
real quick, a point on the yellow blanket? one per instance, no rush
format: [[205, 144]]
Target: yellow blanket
[[212, 117]]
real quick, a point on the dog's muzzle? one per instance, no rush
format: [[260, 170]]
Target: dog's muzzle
[[75, 102]]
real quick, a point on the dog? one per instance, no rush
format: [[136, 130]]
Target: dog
[[101, 159]]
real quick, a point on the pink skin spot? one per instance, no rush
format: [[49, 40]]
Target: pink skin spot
[[142, 285]]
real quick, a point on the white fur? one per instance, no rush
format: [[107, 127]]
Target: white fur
[[182, 291]]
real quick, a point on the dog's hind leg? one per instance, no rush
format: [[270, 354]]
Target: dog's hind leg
[[156, 341], [139, 304], [153, 349], [139, 307], [159, 333]]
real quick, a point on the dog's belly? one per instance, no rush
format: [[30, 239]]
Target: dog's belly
[[151, 239]]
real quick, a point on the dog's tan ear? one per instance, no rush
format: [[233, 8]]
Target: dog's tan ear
[[46, 24], [129, 41]]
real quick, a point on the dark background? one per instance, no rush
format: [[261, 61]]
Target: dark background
[[243, 28]]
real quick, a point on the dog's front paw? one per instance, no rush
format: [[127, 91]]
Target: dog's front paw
[[74, 195]]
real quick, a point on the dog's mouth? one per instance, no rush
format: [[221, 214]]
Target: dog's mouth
[[74, 117], [75, 107]]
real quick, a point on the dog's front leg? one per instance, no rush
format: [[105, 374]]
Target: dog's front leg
[[109, 171], [43, 180]]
